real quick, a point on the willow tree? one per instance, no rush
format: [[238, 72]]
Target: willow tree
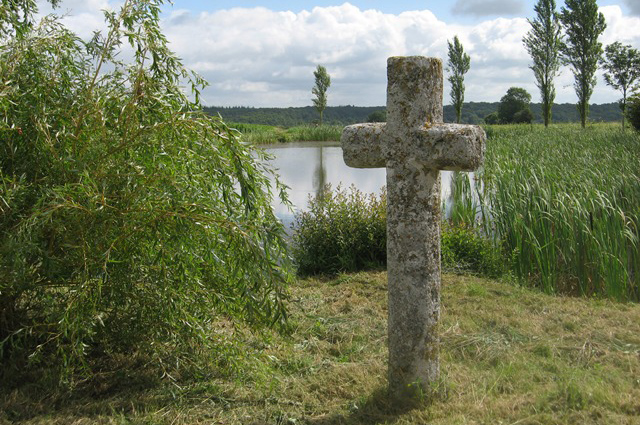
[[458, 65], [543, 43], [131, 222], [583, 24]]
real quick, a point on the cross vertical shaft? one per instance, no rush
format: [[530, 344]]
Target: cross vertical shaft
[[414, 100]]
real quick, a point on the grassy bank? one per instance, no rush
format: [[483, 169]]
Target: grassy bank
[[509, 355], [257, 134]]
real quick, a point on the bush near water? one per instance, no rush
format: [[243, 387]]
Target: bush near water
[[345, 231]]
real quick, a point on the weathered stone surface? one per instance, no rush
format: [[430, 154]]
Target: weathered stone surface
[[361, 144], [413, 145]]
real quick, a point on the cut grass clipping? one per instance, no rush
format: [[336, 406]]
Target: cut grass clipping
[[509, 355]]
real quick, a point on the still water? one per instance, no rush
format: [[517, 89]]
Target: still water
[[306, 167]]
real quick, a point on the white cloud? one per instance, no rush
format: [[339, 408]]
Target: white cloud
[[259, 57], [82, 16], [281, 49], [488, 7], [620, 27]]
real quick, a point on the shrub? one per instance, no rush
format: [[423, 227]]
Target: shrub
[[464, 249], [345, 231], [130, 221], [512, 106], [342, 231], [633, 110], [492, 118], [377, 116], [524, 116]]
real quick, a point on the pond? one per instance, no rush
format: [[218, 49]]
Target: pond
[[307, 166]]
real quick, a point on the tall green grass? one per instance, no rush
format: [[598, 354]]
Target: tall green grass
[[321, 133], [565, 203]]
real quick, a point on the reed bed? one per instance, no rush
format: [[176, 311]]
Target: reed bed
[[257, 134], [316, 133], [564, 205]]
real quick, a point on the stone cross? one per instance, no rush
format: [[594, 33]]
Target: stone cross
[[413, 145]]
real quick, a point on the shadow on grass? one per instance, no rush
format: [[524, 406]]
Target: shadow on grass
[[378, 408], [27, 397]]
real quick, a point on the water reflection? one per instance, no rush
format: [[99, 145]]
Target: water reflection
[[307, 167]]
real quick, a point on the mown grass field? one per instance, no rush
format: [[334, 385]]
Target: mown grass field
[[509, 356]]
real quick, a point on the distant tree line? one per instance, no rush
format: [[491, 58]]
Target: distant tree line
[[569, 37], [290, 117], [472, 113]]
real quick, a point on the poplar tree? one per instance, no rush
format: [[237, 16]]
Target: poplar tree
[[323, 81], [543, 44], [622, 69], [458, 65], [583, 25]]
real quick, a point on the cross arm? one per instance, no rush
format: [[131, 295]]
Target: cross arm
[[362, 145], [453, 147]]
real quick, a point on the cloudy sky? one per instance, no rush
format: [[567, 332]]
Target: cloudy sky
[[263, 53]]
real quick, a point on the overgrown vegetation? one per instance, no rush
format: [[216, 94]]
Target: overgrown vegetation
[[342, 231], [132, 224], [509, 355], [566, 204], [559, 209], [466, 250]]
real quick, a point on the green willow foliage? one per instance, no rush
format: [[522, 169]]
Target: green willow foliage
[[130, 221]]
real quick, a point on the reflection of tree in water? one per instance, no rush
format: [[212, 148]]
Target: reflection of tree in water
[[320, 174]]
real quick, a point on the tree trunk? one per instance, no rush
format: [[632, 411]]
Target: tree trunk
[[624, 107]]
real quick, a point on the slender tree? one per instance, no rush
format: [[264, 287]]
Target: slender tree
[[583, 25], [622, 69], [458, 65], [323, 81], [543, 44]]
